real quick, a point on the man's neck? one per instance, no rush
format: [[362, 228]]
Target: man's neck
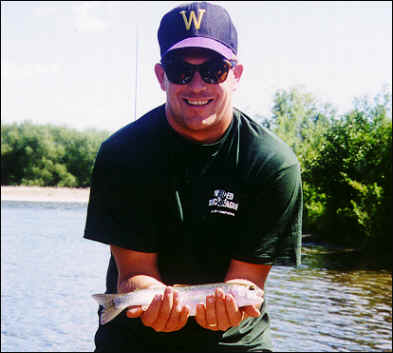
[[208, 135]]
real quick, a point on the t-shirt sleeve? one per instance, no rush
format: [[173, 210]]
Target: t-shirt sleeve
[[119, 211], [272, 227]]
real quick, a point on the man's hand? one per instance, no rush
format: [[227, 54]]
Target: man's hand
[[164, 314], [221, 312]]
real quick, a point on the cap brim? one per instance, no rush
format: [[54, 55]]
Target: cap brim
[[203, 42]]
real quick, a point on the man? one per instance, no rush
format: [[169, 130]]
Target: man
[[194, 192]]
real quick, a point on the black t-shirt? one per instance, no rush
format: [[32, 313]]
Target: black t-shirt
[[197, 206]]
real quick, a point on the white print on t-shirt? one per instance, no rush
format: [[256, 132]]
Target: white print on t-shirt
[[223, 200]]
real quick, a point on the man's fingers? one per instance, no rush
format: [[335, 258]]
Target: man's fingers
[[181, 319], [223, 322], [165, 310], [166, 314], [176, 317], [151, 314], [211, 319], [184, 316], [200, 316], [234, 313]]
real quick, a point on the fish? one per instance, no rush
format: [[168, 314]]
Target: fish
[[191, 295]]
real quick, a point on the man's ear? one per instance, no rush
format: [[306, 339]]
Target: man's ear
[[237, 73], [238, 70], [160, 73]]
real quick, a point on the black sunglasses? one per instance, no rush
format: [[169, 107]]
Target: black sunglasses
[[213, 71]]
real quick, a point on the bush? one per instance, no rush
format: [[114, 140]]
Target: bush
[[46, 155]]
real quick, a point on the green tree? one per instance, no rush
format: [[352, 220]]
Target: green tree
[[346, 166], [354, 170]]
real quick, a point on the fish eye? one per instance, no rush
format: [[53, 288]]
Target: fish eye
[[252, 287]]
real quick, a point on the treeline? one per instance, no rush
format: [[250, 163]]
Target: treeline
[[346, 163], [47, 155], [346, 167]]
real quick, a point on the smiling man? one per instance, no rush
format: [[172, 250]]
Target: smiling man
[[194, 192], [198, 108]]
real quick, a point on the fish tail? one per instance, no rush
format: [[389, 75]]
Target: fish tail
[[110, 310]]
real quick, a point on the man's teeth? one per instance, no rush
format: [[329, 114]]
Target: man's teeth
[[197, 102]]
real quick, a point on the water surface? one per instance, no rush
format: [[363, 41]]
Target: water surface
[[48, 272]]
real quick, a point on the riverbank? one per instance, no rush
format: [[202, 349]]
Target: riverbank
[[44, 194]]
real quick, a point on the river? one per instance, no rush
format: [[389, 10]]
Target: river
[[48, 272]]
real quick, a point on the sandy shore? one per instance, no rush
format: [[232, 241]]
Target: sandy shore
[[44, 194]]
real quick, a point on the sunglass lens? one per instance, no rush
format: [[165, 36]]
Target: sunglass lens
[[178, 72], [215, 71]]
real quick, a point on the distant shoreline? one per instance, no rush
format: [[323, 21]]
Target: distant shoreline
[[44, 194]]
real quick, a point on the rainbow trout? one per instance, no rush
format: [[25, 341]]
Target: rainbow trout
[[114, 304]]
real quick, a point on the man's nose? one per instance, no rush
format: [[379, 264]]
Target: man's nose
[[197, 84]]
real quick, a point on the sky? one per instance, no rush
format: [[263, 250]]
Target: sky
[[85, 64]]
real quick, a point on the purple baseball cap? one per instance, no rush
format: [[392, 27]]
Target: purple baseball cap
[[201, 25]]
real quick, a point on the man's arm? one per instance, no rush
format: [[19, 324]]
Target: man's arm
[[221, 311], [138, 270], [254, 273]]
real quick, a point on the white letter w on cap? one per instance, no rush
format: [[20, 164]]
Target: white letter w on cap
[[197, 23]]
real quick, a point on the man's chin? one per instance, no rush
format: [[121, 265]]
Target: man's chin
[[200, 122]]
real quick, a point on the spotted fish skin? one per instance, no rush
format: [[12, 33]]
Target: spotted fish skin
[[243, 293]]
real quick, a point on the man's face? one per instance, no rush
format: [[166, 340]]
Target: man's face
[[198, 110]]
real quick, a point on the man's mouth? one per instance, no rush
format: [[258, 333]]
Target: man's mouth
[[197, 102]]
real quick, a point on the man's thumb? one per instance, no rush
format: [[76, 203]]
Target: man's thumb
[[135, 312]]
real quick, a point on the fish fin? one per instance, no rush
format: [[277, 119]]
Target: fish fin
[[109, 313], [239, 282], [105, 299], [110, 310], [180, 285]]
